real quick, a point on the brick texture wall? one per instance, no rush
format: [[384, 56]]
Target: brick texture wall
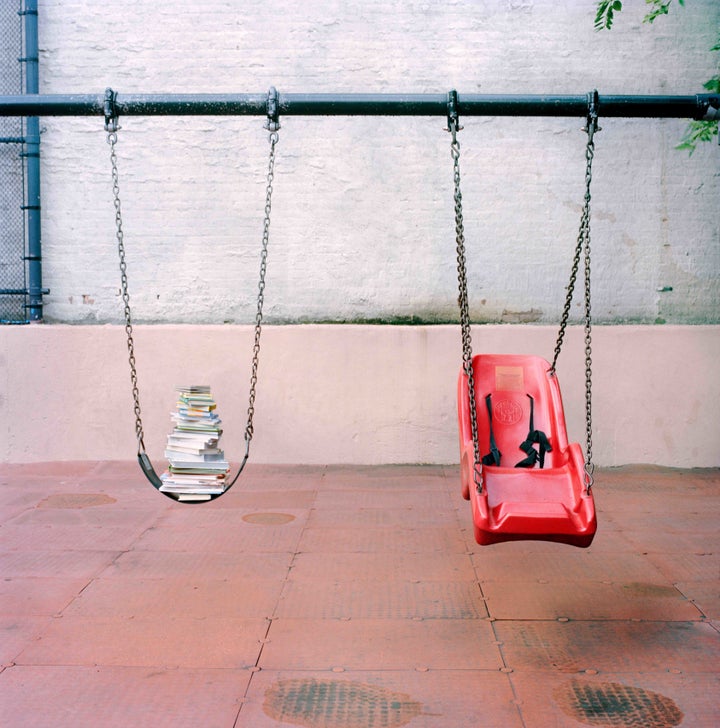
[[362, 225]]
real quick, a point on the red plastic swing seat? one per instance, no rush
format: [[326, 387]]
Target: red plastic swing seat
[[548, 504]]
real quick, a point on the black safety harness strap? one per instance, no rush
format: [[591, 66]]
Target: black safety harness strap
[[493, 457], [534, 437]]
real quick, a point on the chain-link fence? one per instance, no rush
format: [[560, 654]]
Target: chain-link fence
[[13, 283]]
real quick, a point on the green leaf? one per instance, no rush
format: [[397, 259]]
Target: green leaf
[[713, 85], [661, 7], [605, 13], [696, 133]]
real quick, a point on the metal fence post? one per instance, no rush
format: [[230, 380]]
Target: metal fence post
[[32, 157]]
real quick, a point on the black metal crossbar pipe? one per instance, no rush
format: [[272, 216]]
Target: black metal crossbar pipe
[[697, 106]]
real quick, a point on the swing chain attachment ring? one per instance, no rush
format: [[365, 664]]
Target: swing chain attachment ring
[[273, 109], [453, 128], [110, 110]]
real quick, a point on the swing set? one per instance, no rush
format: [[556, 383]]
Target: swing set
[[509, 406]]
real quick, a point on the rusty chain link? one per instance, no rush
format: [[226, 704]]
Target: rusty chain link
[[112, 141], [463, 303], [273, 139]]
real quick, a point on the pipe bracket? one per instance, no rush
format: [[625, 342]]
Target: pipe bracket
[[273, 110], [110, 110]]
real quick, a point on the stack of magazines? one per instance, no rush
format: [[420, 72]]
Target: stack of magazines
[[197, 467]]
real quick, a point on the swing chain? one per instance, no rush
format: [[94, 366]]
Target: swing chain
[[583, 244], [453, 127], [111, 128], [273, 138]]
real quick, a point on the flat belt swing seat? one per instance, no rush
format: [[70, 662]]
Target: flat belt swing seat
[[517, 395]]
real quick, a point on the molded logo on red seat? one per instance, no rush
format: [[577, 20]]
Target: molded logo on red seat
[[507, 411]]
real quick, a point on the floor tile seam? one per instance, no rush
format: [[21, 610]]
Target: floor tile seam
[[163, 667], [702, 613], [167, 669], [212, 552], [171, 669], [115, 618], [464, 525], [603, 582], [566, 582], [287, 574], [252, 669], [408, 617], [118, 554], [665, 570], [386, 670], [712, 581], [38, 635], [517, 698], [563, 622], [499, 643], [596, 620], [674, 522], [273, 616], [598, 674], [380, 579], [355, 620], [359, 525], [194, 579], [434, 552]]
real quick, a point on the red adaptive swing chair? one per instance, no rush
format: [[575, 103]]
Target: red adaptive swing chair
[[518, 408], [510, 406]]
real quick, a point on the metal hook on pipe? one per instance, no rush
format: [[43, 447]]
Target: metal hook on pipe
[[591, 126], [453, 117], [273, 110], [110, 111]]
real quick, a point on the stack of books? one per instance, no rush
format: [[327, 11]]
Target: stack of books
[[197, 467]]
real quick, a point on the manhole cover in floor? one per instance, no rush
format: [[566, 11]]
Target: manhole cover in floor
[[268, 519], [76, 500], [328, 704], [616, 704]]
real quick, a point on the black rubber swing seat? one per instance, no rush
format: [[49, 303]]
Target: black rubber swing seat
[[534, 483]]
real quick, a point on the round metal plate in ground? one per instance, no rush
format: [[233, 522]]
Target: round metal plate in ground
[[268, 519], [330, 703], [615, 704]]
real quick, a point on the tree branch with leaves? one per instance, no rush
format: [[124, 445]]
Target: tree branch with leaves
[[696, 131]]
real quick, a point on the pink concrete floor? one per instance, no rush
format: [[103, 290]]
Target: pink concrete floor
[[351, 597]]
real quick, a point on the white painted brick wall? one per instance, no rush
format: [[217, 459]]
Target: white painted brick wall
[[362, 215]]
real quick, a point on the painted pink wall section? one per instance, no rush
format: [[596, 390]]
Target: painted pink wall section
[[347, 394]]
